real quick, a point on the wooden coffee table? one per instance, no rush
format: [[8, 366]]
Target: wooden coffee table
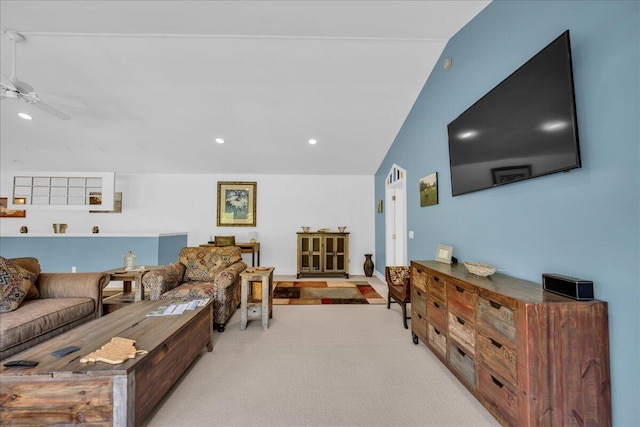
[[62, 390]]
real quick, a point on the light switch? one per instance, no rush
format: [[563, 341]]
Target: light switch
[[411, 234]]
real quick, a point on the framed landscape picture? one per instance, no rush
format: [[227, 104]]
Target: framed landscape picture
[[236, 204], [12, 213], [429, 190]]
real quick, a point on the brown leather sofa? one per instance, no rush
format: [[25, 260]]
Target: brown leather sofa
[[65, 301]]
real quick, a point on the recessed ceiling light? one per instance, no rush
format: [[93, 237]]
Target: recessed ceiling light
[[220, 140], [25, 116], [313, 142]]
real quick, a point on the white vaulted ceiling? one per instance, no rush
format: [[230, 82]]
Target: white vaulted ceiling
[[162, 79]]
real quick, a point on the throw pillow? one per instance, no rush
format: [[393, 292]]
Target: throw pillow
[[15, 282], [30, 264], [204, 264], [398, 274]]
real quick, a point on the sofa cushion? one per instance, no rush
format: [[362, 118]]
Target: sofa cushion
[[190, 291], [15, 282], [203, 264], [31, 264], [39, 316]]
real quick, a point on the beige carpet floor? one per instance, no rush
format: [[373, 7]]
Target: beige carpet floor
[[319, 365]]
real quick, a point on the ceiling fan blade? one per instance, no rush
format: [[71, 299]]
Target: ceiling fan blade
[[49, 109], [6, 82], [60, 100], [21, 87]]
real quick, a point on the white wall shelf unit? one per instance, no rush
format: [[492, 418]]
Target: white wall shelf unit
[[64, 190]]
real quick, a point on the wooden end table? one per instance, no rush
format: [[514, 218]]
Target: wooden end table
[[130, 279], [252, 307]]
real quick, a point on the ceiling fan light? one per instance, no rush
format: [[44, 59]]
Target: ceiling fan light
[[313, 141], [220, 140], [25, 116]]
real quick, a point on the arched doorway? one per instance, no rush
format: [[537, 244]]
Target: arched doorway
[[396, 216]]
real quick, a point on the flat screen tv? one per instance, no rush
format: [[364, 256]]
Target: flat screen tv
[[523, 128]]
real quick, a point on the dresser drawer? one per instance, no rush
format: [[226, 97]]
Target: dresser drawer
[[461, 299], [437, 340], [462, 331], [496, 320], [419, 301], [436, 313], [499, 357], [461, 362], [419, 279], [498, 395], [419, 325], [437, 287]]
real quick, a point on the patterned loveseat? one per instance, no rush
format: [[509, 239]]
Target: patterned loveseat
[[201, 272]]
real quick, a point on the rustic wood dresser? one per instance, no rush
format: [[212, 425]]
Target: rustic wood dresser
[[531, 357]]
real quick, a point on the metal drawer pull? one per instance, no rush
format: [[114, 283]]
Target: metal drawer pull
[[460, 320], [496, 382], [496, 343], [495, 305], [436, 304], [459, 289], [435, 278]]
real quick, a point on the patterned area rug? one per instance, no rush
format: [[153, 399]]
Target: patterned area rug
[[339, 292]]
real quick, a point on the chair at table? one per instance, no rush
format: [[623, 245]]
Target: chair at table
[[222, 241], [399, 284]]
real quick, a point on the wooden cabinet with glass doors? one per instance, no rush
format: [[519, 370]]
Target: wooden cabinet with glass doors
[[323, 254]]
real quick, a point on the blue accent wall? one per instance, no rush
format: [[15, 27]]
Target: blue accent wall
[[61, 253], [585, 223]]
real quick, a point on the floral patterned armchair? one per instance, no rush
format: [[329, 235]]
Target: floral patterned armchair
[[201, 272]]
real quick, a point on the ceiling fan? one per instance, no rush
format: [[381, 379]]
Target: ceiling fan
[[12, 88]]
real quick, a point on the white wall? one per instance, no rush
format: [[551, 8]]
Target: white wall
[[173, 202]]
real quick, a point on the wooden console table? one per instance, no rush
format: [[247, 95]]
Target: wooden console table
[[252, 248]]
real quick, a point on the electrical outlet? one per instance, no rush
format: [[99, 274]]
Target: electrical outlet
[[73, 269]]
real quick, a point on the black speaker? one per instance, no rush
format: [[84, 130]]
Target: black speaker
[[568, 286]]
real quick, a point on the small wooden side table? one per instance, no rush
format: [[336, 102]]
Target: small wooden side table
[[252, 307], [128, 278]]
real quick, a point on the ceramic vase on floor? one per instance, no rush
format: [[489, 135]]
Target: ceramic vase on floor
[[368, 265]]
